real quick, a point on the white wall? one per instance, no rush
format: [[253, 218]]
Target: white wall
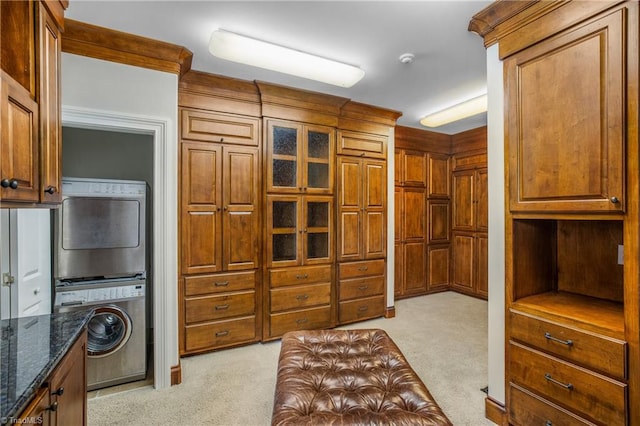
[[97, 93], [495, 164]]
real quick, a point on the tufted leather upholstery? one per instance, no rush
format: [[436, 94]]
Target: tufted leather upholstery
[[349, 377]]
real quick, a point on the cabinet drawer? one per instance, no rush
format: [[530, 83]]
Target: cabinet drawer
[[221, 333], [306, 319], [362, 144], [526, 408], [212, 127], [283, 299], [597, 352], [218, 307], [576, 388], [219, 283], [361, 287], [302, 275], [361, 269], [357, 310]]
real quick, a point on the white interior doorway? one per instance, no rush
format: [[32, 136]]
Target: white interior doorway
[[164, 232]]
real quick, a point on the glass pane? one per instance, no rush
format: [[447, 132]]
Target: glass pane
[[318, 175], [318, 215], [318, 145], [317, 245], [284, 247], [284, 173], [285, 141], [284, 214]]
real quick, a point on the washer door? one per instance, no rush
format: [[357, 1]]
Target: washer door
[[108, 330]]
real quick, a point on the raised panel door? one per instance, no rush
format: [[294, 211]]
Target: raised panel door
[[374, 203], [398, 171], [398, 269], [482, 266], [438, 221], [482, 201], [49, 101], [19, 166], [318, 156], [415, 267], [17, 43], [283, 229], [566, 120], [463, 214], [414, 168], [463, 265], [317, 231], [350, 210], [398, 213], [439, 263], [241, 225], [284, 151], [414, 218], [201, 201], [439, 171]]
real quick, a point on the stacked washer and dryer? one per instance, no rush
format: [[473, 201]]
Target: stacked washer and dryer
[[100, 262]]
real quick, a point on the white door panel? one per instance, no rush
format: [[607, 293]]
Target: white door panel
[[5, 266]]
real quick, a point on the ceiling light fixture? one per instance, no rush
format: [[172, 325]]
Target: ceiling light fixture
[[250, 51], [457, 112]]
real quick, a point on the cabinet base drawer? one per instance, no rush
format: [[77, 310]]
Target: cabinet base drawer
[[358, 288], [526, 408], [306, 319], [300, 275], [578, 389], [298, 297], [211, 308], [365, 268], [221, 333], [361, 309], [218, 283]]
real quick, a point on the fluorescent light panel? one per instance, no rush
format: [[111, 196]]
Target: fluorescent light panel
[[257, 53], [457, 112]]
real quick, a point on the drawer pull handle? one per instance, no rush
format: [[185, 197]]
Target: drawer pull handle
[[221, 283], [568, 386], [301, 321], [302, 297], [222, 333], [363, 287], [221, 307], [302, 277], [548, 336], [548, 423], [363, 268], [363, 308]]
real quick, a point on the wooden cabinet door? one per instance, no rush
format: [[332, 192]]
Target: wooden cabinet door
[[317, 159], [398, 267], [350, 211], [415, 267], [566, 120], [482, 267], [201, 204], [414, 168], [414, 218], [438, 221], [68, 387], [241, 198], [398, 213], [463, 265], [439, 171], [439, 263], [19, 162], [463, 200], [482, 201], [374, 173], [284, 231], [284, 150], [49, 100], [317, 229], [398, 171]]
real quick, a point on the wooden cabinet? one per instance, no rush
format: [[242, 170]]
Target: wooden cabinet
[[362, 227], [30, 140], [470, 208], [361, 289], [299, 158], [220, 230], [63, 398]]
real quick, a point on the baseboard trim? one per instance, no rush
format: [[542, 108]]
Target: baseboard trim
[[495, 411], [390, 312], [176, 374]]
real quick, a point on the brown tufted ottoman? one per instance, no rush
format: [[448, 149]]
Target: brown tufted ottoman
[[349, 377]]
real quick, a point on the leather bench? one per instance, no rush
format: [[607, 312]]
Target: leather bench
[[349, 377]]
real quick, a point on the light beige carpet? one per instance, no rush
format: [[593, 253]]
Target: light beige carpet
[[443, 336]]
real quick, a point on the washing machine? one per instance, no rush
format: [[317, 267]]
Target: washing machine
[[116, 340]]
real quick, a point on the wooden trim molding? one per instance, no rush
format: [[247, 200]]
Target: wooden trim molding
[[471, 140], [495, 411], [422, 140], [486, 22], [390, 312], [176, 374], [97, 42]]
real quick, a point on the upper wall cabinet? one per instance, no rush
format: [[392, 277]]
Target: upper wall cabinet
[[566, 115], [300, 158], [30, 142]]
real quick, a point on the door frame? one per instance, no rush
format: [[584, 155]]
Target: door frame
[[165, 225]]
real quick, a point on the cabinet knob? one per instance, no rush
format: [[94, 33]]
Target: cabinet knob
[[58, 392], [50, 189], [614, 200], [6, 183], [53, 407]]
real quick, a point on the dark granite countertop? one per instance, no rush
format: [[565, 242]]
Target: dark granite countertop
[[31, 348]]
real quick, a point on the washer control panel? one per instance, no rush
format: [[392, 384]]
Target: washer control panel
[[96, 295]]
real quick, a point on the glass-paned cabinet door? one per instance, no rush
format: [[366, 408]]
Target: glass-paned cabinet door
[[282, 217], [318, 150], [317, 229], [283, 156]]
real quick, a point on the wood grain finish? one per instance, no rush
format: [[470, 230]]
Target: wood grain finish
[[362, 144], [219, 306], [303, 319], [361, 309], [361, 287], [439, 171], [361, 269], [220, 334], [297, 297], [300, 275], [528, 409], [218, 127], [219, 283]]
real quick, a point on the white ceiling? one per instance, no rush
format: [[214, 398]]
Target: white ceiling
[[449, 66]]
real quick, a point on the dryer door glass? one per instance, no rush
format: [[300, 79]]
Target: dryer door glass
[[108, 330]]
